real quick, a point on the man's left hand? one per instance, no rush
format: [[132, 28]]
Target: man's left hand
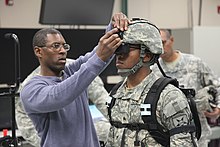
[[120, 21]]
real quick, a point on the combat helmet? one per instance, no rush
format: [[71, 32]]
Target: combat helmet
[[144, 35]]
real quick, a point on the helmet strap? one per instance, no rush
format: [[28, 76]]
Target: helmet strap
[[129, 71]]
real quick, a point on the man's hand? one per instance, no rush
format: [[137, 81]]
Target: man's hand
[[108, 44], [214, 114], [111, 41], [120, 21]]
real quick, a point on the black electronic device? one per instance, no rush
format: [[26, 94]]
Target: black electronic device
[[76, 12]]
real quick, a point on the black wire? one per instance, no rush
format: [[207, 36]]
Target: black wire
[[161, 70]]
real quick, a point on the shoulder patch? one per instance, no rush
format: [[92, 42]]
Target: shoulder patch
[[173, 107], [179, 120]]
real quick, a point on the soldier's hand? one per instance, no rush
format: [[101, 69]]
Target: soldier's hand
[[108, 44], [120, 21], [214, 114]]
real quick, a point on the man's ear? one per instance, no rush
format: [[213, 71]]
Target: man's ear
[[37, 51], [147, 57]]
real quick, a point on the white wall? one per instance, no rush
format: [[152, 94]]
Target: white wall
[[206, 44], [164, 13], [202, 41], [23, 14]]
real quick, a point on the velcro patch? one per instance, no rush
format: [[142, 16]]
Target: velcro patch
[[180, 120]]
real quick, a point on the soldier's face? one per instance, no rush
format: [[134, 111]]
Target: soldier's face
[[124, 61], [167, 45]]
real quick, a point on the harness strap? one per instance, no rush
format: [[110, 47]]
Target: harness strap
[[133, 126], [187, 128], [190, 93], [150, 121]]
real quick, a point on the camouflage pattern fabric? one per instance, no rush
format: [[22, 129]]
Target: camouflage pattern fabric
[[150, 37], [202, 100], [192, 72], [99, 96], [96, 93], [172, 111], [102, 128]]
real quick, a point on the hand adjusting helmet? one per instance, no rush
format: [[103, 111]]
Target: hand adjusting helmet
[[144, 35]]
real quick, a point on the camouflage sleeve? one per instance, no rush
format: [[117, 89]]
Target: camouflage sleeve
[[209, 78], [175, 112], [202, 99], [24, 123], [98, 95]]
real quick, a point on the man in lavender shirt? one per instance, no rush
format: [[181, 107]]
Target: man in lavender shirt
[[56, 99]]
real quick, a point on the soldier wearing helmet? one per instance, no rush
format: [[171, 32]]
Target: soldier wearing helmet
[[142, 46], [147, 41]]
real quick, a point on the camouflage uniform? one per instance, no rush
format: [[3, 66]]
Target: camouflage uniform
[[192, 72], [99, 96], [172, 108], [96, 93]]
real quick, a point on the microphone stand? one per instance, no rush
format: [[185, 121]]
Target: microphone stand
[[13, 91]]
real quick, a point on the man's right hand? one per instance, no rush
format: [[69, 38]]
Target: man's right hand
[[108, 44]]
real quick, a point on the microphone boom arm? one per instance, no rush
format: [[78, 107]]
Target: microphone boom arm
[[14, 89]]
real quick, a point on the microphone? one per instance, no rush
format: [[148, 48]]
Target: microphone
[[17, 57], [17, 83]]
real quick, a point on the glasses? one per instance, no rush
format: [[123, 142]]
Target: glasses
[[58, 46]]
